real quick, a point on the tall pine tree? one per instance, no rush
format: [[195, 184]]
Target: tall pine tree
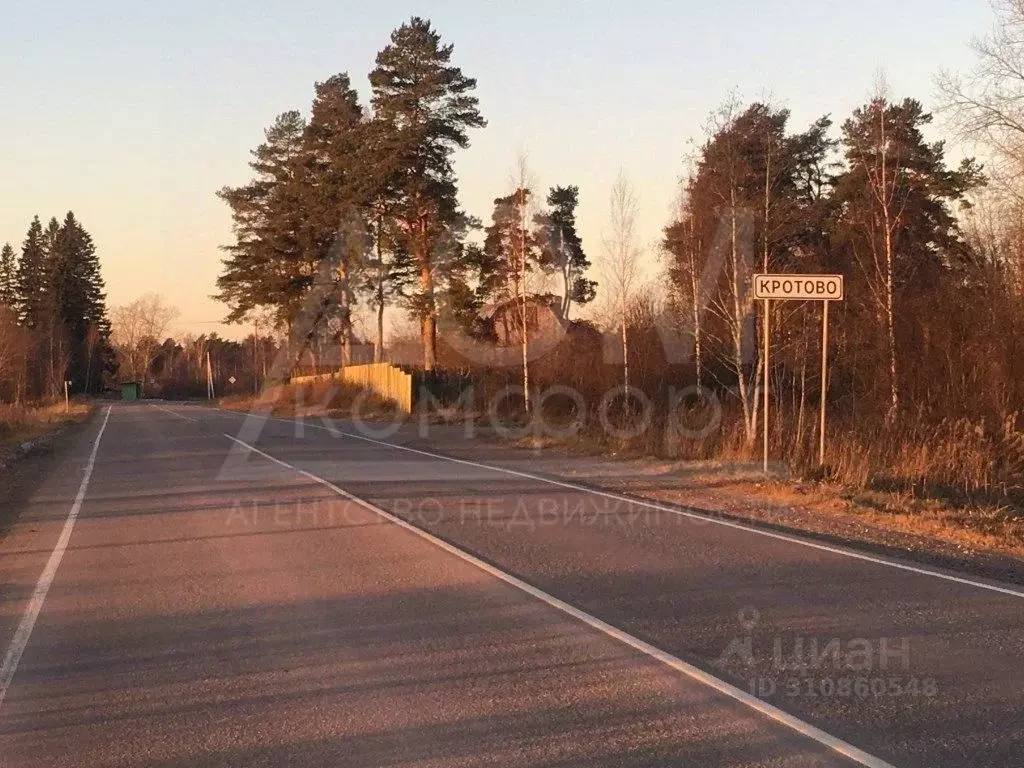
[[427, 108], [336, 208], [273, 261]]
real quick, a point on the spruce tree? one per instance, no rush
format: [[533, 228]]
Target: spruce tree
[[81, 312], [426, 107], [31, 279], [8, 282]]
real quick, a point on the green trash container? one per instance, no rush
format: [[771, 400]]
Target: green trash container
[[131, 390]]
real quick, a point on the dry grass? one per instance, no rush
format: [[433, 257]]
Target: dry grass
[[953, 480], [321, 398], [20, 423], [968, 526]]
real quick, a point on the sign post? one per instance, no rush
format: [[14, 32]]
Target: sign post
[[824, 380], [767, 370], [823, 288]]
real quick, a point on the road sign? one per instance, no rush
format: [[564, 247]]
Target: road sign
[[232, 379], [823, 288], [799, 287]]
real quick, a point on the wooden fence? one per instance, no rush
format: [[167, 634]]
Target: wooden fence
[[386, 380]]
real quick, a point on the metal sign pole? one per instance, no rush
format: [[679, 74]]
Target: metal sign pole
[[824, 381], [766, 377]]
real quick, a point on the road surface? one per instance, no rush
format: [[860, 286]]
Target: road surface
[[193, 587]]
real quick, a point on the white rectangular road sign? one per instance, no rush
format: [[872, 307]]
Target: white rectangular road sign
[[799, 287]]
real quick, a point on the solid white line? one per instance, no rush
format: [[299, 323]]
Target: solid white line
[[676, 511], [774, 713], [35, 603]]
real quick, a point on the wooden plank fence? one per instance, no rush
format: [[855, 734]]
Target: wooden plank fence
[[388, 381]]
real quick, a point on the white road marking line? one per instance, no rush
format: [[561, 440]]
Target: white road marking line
[[774, 713], [836, 550], [35, 604], [173, 413]]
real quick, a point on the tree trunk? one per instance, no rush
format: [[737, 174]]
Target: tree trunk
[[695, 290], [378, 346], [886, 201], [429, 320], [803, 395], [429, 331], [525, 318], [737, 322], [625, 351]]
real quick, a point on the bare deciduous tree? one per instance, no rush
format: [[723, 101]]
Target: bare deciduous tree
[[622, 254], [137, 329], [987, 104]]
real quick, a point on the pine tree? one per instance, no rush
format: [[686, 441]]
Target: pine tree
[[506, 241], [894, 227], [563, 248], [274, 259], [336, 210], [389, 268], [427, 107], [8, 277]]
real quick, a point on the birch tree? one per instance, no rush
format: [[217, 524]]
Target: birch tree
[[622, 254]]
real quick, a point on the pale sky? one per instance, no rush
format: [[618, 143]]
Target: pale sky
[[133, 114]]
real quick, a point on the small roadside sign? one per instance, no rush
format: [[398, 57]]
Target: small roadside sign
[[232, 379], [799, 287], [781, 287]]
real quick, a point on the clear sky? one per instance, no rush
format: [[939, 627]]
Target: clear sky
[[134, 113]]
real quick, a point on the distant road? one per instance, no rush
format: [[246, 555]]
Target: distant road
[[198, 587]]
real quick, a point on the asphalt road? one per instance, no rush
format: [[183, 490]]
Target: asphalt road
[[216, 605]]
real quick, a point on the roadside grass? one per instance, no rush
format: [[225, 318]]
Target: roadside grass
[[971, 526], [953, 480], [21, 423], [319, 398]]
